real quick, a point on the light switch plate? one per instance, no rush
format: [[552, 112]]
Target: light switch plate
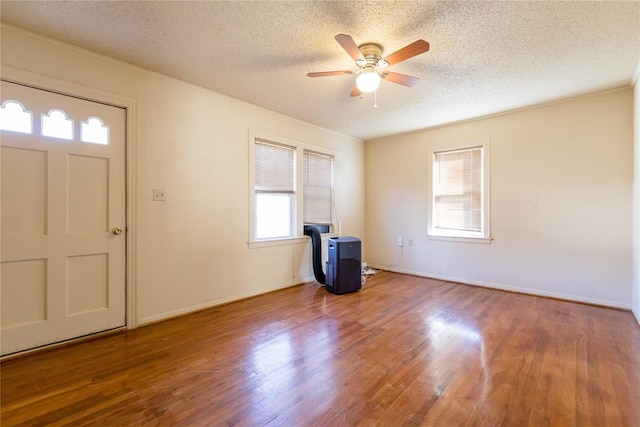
[[158, 195]]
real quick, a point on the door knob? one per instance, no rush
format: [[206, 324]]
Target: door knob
[[117, 231]]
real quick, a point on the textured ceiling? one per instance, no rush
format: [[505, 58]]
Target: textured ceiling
[[485, 57]]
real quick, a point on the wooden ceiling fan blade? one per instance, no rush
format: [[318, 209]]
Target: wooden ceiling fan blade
[[329, 73], [415, 48], [349, 46], [401, 79], [355, 91]]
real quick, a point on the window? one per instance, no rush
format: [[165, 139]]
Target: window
[[459, 193], [274, 190], [57, 125], [318, 188], [14, 117], [291, 184], [94, 131]]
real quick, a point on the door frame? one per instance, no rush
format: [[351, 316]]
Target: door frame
[[39, 81]]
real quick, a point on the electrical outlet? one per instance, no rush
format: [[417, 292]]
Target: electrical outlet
[[409, 242], [399, 242], [158, 195]]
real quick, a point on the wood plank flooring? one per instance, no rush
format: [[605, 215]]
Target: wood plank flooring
[[404, 351]]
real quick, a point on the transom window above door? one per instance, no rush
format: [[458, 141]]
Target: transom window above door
[[15, 117]]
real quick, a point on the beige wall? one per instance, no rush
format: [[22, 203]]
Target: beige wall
[[561, 201], [192, 250], [636, 196], [562, 224]]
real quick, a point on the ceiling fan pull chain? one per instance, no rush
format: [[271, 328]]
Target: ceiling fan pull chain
[[375, 99]]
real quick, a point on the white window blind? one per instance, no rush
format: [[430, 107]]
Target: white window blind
[[274, 168], [318, 188], [458, 190]]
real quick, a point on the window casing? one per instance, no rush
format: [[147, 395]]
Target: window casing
[[459, 193], [291, 185], [274, 190]]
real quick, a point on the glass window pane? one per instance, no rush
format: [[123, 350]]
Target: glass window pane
[[457, 190], [94, 131], [318, 188], [14, 117], [273, 215], [57, 125]]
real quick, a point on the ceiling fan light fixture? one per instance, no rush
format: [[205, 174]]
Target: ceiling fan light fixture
[[370, 63], [368, 81]]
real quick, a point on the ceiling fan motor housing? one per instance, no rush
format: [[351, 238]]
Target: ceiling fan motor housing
[[372, 53]]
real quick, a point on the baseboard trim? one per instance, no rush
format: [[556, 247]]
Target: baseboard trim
[[510, 288], [211, 304]]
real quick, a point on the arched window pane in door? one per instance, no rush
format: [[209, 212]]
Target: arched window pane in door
[[57, 125], [94, 131], [14, 117]]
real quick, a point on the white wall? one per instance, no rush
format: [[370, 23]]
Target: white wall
[[561, 201], [562, 226], [192, 249], [636, 195]]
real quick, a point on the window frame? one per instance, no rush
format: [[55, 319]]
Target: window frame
[[297, 225], [484, 235]]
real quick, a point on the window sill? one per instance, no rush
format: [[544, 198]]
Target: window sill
[[461, 239], [278, 242]]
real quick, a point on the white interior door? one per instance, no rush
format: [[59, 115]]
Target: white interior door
[[62, 199]]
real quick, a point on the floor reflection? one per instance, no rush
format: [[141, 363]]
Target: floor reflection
[[453, 327], [286, 361], [451, 335]]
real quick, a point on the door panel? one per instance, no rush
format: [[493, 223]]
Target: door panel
[[62, 191], [88, 194], [27, 215], [24, 290]]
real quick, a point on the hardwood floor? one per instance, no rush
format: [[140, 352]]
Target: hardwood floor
[[404, 351]]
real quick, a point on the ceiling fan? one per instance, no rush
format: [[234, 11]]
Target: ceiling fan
[[371, 65]]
